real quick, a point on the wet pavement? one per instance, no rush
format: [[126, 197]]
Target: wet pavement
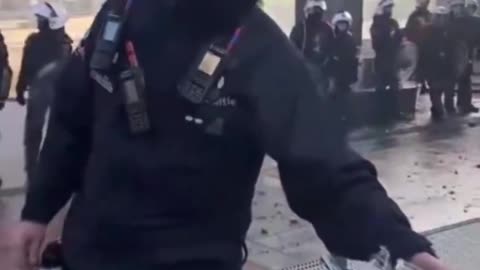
[[11, 146], [421, 123], [431, 170], [433, 175]]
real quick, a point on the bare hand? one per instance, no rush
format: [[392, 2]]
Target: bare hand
[[425, 261], [25, 244]]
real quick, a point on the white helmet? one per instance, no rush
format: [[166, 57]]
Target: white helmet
[[310, 5], [441, 10], [473, 3], [343, 16], [383, 4], [55, 13]]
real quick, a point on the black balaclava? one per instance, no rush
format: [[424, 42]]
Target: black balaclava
[[212, 17], [388, 13], [340, 31], [316, 16], [42, 24], [424, 7]]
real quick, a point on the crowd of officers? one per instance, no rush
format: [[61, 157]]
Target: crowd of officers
[[330, 48], [444, 39]]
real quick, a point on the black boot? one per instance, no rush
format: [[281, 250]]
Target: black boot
[[450, 108], [468, 109], [474, 109], [437, 114]]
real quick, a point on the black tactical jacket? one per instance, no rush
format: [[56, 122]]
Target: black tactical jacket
[[345, 59], [41, 49], [386, 39], [417, 23], [184, 191]]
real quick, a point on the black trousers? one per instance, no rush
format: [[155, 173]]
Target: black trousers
[[465, 88], [439, 89], [341, 92], [386, 74]]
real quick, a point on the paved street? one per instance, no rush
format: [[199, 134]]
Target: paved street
[[432, 172]]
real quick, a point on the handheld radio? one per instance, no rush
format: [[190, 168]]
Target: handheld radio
[[207, 69], [108, 41], [133, 88]]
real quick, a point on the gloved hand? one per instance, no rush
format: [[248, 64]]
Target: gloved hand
[[2, 105], [21, 98]]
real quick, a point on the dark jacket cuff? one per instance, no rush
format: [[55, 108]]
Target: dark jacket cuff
[[35, 210], [405, 243]]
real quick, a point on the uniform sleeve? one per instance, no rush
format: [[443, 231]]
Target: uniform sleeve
[[66, 147], [3, 51], [296, 36], [331, 38], [325, 181], [475, 27], [378, 39], [67, 144], [399, 34], [412, 27], [68, 44], [25, 75], [352, 55]]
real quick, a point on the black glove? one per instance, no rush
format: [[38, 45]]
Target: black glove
[[52, 256], [21, 99], [2, 105]]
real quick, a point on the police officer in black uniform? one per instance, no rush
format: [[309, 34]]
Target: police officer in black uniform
[[417, 21], [386, 41], [439, 62], [314, 37], [48, 45], [345, 57], [414, 31], [160, 126], [3, 65], [467, 25], [345, 53]]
